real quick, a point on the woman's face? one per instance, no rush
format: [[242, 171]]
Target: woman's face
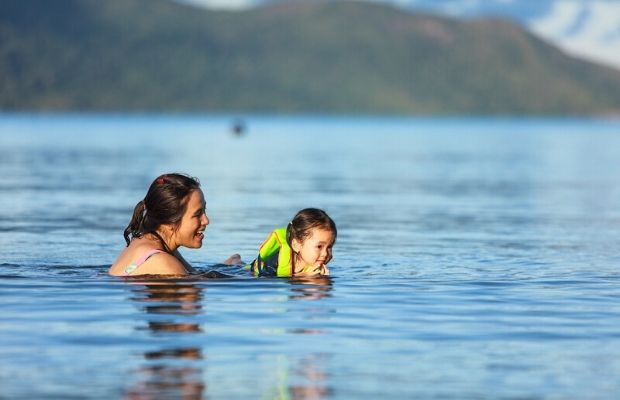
[[190, 231]]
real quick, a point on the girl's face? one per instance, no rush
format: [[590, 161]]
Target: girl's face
[[190, 231], [313, 254]]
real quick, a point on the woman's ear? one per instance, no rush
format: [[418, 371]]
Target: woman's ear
[[295, 245], [167, 231]]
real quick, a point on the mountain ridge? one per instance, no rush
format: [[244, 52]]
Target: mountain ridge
[[320, 57]]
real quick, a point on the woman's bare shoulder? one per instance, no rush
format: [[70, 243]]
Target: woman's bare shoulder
[[162, 264], [157, 263]]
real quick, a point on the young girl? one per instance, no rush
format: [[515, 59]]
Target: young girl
[[171, 215], [303, 248]]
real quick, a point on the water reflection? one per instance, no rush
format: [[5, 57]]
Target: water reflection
[[310, 287], [170, 372], [304, 380]]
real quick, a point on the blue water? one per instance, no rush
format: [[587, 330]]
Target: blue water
[[476, 259]]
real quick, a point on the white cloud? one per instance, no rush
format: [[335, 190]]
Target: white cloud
[[559, 19], [598, 37], [221, 4]]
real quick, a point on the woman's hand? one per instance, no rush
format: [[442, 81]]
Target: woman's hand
[[235, 259]]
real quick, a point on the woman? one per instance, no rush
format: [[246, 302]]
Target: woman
[[171, 215]]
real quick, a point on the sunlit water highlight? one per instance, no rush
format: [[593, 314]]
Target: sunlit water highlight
[[476, 258]]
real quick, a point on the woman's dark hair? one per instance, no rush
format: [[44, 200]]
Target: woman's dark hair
[[301, 226], [164, 203]]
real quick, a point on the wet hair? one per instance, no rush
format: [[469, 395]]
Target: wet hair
[[164, 203], [300, 228]]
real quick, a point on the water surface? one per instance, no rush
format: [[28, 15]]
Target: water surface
[[476, 259]]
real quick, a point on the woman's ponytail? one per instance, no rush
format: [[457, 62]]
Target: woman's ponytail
[[134, 228]]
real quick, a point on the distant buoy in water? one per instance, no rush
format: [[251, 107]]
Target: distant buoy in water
[[238, 127]]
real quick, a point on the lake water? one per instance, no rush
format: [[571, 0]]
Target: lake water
[[476, 259]]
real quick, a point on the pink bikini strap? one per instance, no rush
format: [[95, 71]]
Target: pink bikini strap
[[146, 256]]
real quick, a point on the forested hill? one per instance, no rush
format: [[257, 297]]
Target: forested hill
[[315, 57]]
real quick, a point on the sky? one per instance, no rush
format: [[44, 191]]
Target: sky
[[588, 29]]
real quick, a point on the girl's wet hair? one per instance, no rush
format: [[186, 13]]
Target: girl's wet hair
[[305, 221], [164, 203]]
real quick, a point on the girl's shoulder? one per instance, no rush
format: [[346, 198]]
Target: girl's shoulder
[[273, 243]]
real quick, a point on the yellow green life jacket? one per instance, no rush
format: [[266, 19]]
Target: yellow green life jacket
[[274, 256]]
